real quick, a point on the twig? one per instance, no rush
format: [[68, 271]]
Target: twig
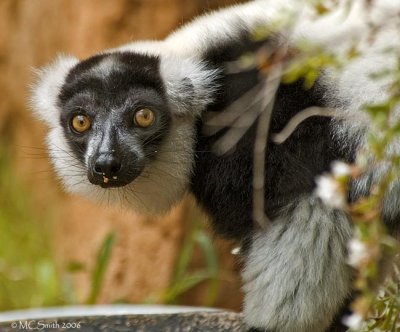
[[260, 147], [296, 120], [216, 121]]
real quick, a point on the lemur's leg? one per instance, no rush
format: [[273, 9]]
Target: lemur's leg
[[295, 275]]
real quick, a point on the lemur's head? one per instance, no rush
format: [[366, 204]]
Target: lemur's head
[[123, 124]]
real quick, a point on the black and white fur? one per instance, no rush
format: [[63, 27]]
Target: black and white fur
[[295, 275]]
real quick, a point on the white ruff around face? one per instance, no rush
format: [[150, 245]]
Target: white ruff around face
[[189, 88]]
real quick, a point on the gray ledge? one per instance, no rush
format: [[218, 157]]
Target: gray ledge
[[118, 319]]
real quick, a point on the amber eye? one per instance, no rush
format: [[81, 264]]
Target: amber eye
[[144, 118], [80, 123]]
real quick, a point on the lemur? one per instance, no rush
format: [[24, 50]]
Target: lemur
[[129, 125]]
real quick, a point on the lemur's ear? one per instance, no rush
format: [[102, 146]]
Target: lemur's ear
[[189, 83], [47, 87]]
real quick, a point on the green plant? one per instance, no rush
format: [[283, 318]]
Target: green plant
[[102, 261], [185, 277], [28, 275]]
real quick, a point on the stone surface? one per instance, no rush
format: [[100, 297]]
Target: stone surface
[[187, 322]]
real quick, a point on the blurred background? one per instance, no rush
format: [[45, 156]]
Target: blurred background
[[56, 249]]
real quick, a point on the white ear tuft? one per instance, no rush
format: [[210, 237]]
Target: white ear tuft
[[190, 84], [47, 87]]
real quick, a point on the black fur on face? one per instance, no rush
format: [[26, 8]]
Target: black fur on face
[[109, 89]]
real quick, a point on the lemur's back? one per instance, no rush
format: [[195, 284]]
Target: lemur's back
[[291, 167]]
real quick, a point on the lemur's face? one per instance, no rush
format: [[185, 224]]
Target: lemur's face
[[114, 116], [122, 126]]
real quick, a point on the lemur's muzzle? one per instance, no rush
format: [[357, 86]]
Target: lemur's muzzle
[[108, 170]]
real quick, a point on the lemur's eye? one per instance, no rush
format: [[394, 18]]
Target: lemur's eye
[[144, 118], [80, 123]]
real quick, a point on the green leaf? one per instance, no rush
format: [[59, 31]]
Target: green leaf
[[211, 258], [185, 284], [75, 266], [103, 258], [185, 256]]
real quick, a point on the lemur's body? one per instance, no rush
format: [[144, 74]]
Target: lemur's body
[[295, 275], [291, 169]]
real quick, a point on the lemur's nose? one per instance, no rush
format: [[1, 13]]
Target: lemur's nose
[[107, 165]]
